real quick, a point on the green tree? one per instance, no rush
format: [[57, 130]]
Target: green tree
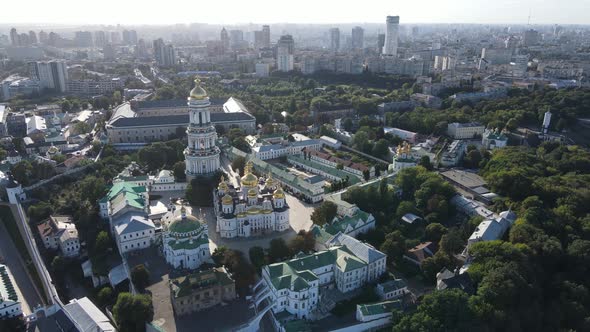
[[257, 257], [425, 162], [394, 246], [278, 250], [102, 244], [22, 172], [435, 231], [324, 213], [179, 171], [140, 276], [131, 312], [446, 310], [105, 296]]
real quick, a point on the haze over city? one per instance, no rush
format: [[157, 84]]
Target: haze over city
[[264, 166], [304, 11]]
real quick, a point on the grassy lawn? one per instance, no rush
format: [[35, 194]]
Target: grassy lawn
[[8, 220]]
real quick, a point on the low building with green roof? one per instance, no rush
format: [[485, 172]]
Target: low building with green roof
[[201, 290], [375, 311]]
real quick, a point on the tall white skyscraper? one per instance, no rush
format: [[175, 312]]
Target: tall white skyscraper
[[334, 39], [50, 74], [391, 36]]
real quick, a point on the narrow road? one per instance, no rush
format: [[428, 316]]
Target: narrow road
[[24, 286]]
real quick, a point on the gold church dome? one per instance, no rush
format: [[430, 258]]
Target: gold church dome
[[198, 92], [227, 199], [252, 193], [222, 184], [249, 179], [279, 193]]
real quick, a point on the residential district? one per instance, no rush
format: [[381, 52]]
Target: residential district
[[387, 176]]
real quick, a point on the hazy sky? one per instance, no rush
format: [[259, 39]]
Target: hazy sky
[[130, 12]]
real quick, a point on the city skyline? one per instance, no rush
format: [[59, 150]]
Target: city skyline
[[454, 11]]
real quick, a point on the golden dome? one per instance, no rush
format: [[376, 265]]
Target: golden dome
[[226, 199], [279, 193], [198, 92], [269, 180], [252, 193], [249, 179]]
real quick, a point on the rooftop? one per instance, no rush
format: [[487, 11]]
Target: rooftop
[[184, 286]]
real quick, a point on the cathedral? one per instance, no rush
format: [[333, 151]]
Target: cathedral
[[256, 208], [201, 154]]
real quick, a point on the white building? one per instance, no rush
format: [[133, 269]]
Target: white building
[[406, 135], [126, 206], [201, 154], [51, 74], [165, 181], [492, 139], [133, 232], [285, 148], [492, 229], [251, 209], [295, 286], [185, 240], [9, 303], [391, 36], [262, 69], [453, 154], [87, 316], [465, 130], [392, 289], [60, 232]]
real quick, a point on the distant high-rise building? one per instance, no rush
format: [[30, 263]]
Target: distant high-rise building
[[14, 37], [141, 49], [83, 38], [224, 41], [108, 52], [530, 38], [100, 38], [24, 39], [380, 42], [236, 39], [266, 36], [285, 53], [258, 39], [130, 37], [54, 39], [334, 39], [43, 37], [33, 37], [358, 38], [164, 54], [115, 37], [51, 74], [391, 36]]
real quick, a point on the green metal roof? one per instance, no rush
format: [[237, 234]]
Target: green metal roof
[[380, 307], [186, 244]]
